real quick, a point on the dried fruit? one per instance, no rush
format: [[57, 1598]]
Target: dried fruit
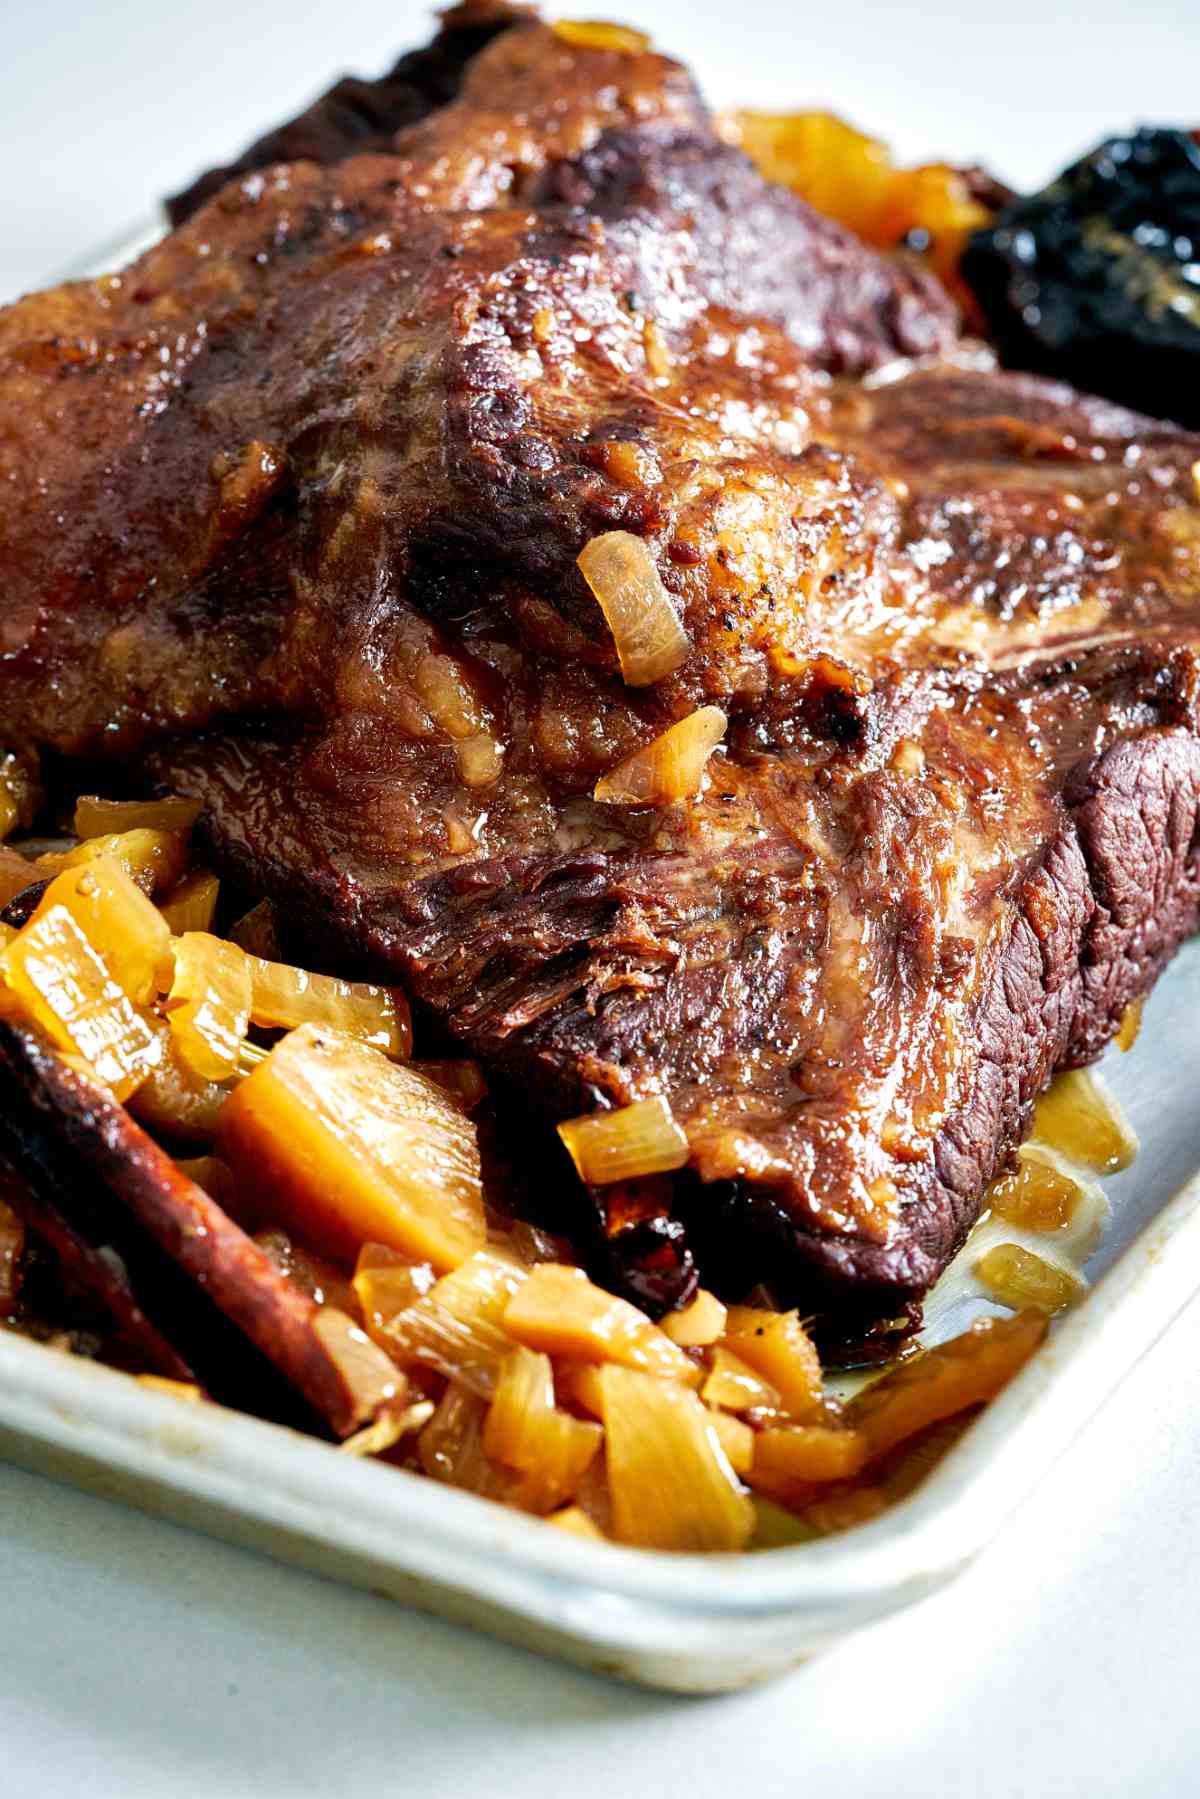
[[1095, 279]]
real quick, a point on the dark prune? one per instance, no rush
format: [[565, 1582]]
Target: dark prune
[[1097, 278]]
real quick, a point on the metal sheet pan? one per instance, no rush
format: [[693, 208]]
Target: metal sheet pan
[[684, 1623]]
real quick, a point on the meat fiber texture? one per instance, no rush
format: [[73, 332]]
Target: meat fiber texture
[[290, 512]]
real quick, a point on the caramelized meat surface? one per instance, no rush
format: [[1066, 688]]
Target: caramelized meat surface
[[293, 506]]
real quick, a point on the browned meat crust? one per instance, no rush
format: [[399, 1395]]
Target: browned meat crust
[[324, 461]]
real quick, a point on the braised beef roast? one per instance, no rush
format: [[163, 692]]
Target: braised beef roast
[[292, 507]]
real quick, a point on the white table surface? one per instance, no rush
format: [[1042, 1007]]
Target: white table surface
[[141, 1661]]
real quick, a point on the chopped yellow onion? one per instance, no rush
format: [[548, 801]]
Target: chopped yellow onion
[[386, 1284], [788, 1457], [285, 997], [777, 1346], [698, 1324], [192, 905], [670, 1480], [51, 975], [1077, 1116], [125, 930], [451, 1449], [174, 1100], [966, 1371], [1019, 1278], [736, 1439], [734, 1386], [598, 34], [575, 1521], [622, 1145], [353, 1148], [1037, 1196], [669, 769], [156, 860], [457, 1327], [393, 1424], [526, 1431], [650, 641], [209, 1004], [98, 818], [558, 1310]]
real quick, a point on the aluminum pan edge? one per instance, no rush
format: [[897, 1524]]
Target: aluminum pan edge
[[684, 1623]]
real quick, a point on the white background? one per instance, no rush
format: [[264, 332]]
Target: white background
[[141, 1662]]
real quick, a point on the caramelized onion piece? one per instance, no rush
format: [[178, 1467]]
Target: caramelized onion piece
[[669, 769], [192, 905], [128, 933], [697, 1324], [619, 1146], [175, 1101], [1079, 1117], [968, 1370], [734, 1386], [209, 1004], [575, 1521], [286, 997], [350, 1148], [98, 818], [1019, 1278], [527, 1432], [599, 34], [156, 860], [621, 572], [671, 1483], [558, 1310], [777, 1346], [787, 1457], [458, 1327], [51, 976], [1037, 1196]]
